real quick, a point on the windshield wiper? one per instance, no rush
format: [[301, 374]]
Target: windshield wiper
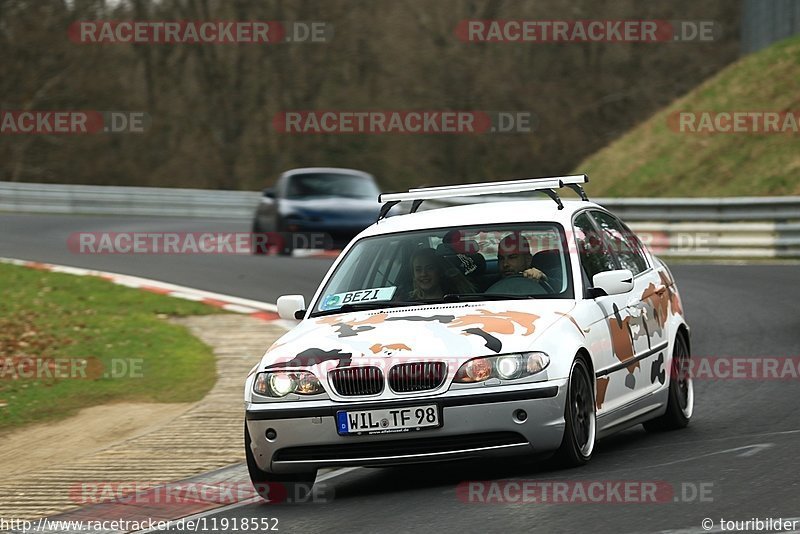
[[452, 297], [361, 306], [472, 297], [356, 306]]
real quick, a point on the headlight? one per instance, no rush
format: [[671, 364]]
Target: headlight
[[505, 367], [477, 370], [280, 384], [509, 367]]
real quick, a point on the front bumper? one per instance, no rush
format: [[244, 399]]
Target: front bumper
[[476, 422]]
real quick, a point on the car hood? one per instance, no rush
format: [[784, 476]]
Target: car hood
[[333, 207], [447, 331]]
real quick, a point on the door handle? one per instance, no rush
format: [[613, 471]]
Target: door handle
[[660, 290]]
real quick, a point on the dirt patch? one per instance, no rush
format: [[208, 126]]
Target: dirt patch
[[38, 446]]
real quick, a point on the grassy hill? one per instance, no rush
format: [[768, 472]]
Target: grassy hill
[[657, 159]]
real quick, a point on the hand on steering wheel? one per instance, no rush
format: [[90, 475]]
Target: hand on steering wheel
[[538, 276]]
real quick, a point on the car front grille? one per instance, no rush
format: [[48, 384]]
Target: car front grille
[[357, 381], [416, 376]]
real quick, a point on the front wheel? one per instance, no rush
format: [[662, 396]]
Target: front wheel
[[580, 429], [285, 243], [277, 488], [258, 240]]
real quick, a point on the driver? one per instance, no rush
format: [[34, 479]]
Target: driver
[[514, 258]]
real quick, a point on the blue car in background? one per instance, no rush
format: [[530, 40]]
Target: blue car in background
[[316, 207]]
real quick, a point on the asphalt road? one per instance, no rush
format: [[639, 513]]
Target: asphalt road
[[44, 238], [739, 458]]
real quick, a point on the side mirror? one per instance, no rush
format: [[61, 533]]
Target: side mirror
[[612, 282], [269, 192], [291, 306]]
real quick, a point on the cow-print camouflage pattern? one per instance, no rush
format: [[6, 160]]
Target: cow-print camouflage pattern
[[459, 330], [658, 303]]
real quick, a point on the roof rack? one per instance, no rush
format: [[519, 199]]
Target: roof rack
[[547, 185]]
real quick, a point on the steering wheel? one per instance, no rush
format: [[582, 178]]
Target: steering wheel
[[521, 285], [547, 286], [543, 282]]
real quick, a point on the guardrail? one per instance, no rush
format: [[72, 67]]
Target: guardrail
[[690, 227], [704, 227], [738, 227], [115, 200]]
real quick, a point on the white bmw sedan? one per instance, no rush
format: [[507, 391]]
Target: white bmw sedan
[[515, 327]]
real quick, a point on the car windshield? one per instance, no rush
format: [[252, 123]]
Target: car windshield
[[474, 263], [330, 185]]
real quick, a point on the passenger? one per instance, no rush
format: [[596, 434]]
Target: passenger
[[434, 278], [514, 258]]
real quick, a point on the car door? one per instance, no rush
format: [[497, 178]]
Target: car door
[[609, 334], [646, 318]]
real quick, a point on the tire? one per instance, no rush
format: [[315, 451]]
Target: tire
[[257, 247], [287, 240], [277, 488], [580, 428], [286, 249], [680, 404]]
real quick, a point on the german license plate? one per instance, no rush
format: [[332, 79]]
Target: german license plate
[[388, 421]]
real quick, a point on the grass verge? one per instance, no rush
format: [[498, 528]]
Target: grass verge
[[657, 159], [68, 342]]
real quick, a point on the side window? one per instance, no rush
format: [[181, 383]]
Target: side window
[[595, 257], [627, 249], [635, 241]]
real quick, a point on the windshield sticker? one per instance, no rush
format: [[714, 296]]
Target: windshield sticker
[[338, 300]]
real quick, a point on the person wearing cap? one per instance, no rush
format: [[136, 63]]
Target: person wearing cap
[[514, 258]]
